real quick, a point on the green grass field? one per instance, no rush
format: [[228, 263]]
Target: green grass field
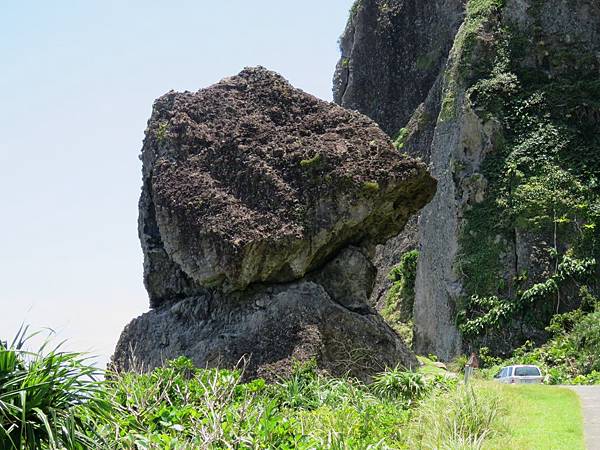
[[539, 417]]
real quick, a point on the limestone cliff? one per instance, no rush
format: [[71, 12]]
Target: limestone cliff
[[260, 209], [508, 121]]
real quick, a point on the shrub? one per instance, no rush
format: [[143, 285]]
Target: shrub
[[311, 162], [400, 138], [397, 384], [372, 186], [400, 298], [403, 277], [571, 356], [161, 132]]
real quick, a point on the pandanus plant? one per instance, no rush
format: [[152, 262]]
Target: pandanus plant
[[45, 396]]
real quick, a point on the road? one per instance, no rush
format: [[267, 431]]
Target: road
[[590, 401]]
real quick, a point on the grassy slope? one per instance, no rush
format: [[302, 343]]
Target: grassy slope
[[179, 407], [540, 417]]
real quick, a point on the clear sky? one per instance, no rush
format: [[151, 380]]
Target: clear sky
[[77, 82]]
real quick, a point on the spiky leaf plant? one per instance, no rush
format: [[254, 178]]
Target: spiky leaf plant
[[397, 383], [43, 394]]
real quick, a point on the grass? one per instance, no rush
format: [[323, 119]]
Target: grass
[[51, 400], [463, 418], [539, 417]]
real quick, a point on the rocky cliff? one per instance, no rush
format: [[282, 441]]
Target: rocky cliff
[[260, 209], [508, 121], [392, 55]]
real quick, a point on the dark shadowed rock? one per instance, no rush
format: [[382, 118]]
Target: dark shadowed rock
[[392, 54], [274, 326], [258, 206]]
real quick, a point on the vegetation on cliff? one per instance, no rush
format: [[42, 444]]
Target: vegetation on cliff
[[529, 248], [400, 298]]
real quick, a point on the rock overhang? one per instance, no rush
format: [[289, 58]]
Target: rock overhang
[[254, 181]]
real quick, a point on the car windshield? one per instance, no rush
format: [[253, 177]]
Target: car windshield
[[527, 371]]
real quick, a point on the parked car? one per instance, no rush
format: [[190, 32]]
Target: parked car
[[520, 374]]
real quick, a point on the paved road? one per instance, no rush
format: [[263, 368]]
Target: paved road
[[590, 400]]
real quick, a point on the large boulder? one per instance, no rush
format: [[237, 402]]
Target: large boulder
[[253, 191], [323, 316], [252, 181]]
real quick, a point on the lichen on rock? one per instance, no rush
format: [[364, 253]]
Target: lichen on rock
[[252, 192]]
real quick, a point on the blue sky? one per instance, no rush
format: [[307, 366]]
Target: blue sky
[[77, 82]]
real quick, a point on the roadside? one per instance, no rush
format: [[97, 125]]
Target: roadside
[[590, 402], [538, 417]]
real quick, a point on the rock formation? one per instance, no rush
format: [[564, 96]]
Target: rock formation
[[392, 55], [486, 105], [260, 209]]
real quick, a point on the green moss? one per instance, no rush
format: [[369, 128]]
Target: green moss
[[161, 131], [448, 109], [311, 162], [482, 9], [400, 139], [372, 186], [480, 13], [428, 61]]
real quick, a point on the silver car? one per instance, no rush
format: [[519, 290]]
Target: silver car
[[521, 374]]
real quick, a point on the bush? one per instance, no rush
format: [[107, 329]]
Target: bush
[[397, 384], [570, 357]]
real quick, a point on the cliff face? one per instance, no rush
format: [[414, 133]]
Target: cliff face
[[392, 54], [510, 237], [259, 211]]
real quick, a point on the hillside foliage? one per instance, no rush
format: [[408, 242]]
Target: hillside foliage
[[542, 191], [400, 298]]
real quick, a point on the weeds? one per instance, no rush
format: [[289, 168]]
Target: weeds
[[460, 419]]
